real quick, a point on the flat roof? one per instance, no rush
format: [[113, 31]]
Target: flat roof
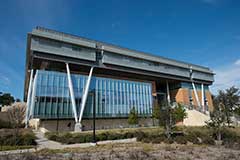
[[82, 41]]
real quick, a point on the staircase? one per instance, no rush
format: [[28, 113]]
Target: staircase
[[196, 117]]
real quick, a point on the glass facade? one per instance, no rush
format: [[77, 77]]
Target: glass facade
[[112, 97]]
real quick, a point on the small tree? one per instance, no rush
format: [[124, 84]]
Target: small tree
[[230, 99], [156, 114], [218, 120], [133, 117], [16, 114], [170, 115], [179, 113]]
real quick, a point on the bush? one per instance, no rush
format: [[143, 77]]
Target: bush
[[129, 135], [25, 137], [102, 136], [77, 138], [180, 139], [195, 135], [5, 124], [140, 135], [51, 136], [209, 140], [133, 117]]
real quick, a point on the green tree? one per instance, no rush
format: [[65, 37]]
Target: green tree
[[230, 100], [133, 117], [6, 99], [170, 115], [218, 120], [179, 113], [156, 114]]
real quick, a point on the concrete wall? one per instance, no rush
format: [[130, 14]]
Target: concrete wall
[[68, 125]]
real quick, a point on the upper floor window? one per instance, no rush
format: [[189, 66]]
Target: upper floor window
[[76, 48], [51, 43]]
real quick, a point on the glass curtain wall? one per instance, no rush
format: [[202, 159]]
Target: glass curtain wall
[[113, 98]]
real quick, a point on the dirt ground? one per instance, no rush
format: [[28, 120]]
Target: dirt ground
[[133, 151]]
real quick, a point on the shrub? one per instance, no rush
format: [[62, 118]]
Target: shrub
[[128, 135], [51, 136], [88, 138], [23, 138], [133, 117], [27, 139], [208, 140], [102, 136], [5, 124], [141, 135], [77, 138], [114, 136], [161, 138], [180, 139]]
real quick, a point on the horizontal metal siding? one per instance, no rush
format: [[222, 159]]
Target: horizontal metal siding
[[136, 54], [114, 59], [62, 50]]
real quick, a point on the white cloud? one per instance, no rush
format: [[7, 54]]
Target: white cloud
[[237, 62], [227, 76]]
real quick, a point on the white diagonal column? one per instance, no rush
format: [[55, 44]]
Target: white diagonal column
[[203, 106], [85, 94], [196, 95], [168, 93], [34, 87], [70, 86], [28, 99]]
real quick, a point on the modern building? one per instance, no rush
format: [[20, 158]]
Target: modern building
[[68, 76]]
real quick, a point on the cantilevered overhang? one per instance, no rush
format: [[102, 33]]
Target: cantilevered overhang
[[49, 44]]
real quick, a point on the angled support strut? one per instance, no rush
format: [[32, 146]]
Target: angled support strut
[[34, 87], [70, 85], [196, 95], [28, 99], [85, 94]]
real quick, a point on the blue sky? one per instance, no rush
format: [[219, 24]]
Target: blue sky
[[204, 32]]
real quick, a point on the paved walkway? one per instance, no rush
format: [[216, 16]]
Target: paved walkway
[[44, 143]]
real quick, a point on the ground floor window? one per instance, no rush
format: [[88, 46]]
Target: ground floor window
[[111, 97]]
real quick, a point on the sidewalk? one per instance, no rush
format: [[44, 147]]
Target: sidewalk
[[44, 143]]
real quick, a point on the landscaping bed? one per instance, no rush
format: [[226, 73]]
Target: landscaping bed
[[11, 139], [181, 135], [101, 135]]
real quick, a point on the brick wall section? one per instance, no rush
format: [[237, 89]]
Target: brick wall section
[[210, 101], [154, 90], [182, 96]]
